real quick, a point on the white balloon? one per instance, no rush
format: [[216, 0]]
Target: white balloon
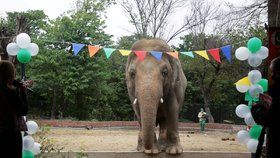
[[12, 49], [254, 76], [254, 60], [33, 48], [32, 127], [242, 88], [243, 136], [252, 145], [255, 90], [242, 110], [23, 40], [28, 143], [36, 149], [249, 120], [263, 52], [242, 53]]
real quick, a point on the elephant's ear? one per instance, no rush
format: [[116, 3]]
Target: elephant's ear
[[175, 65]]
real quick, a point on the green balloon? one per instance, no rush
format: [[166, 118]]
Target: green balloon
[[254, 44], [255, 131], [27, 154], [23, 56], [264, 84]]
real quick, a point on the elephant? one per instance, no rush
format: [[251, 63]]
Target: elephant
[[156, 90]]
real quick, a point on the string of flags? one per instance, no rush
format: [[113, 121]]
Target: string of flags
[[215, 53]]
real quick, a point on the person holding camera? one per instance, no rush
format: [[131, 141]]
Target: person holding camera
[[267, 115], [202, 119], [13, 106]]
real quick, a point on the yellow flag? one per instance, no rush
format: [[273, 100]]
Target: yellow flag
[[125, 52], [202, 53], [244, 81]]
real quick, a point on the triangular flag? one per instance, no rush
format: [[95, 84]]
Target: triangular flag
[[227, 52], [202, 53], [173, 54], [141, 54], [244, 81], [190, 54], [125, 52], [215, 54], [156, 54], [108, 52], [93, 50], [77, 47]]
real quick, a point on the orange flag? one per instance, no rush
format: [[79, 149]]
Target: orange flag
[[215, 54], [92, 50], [173, 54]]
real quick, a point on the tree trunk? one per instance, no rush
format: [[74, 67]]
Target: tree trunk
[[206, 105], [54, 105], [273, 13]]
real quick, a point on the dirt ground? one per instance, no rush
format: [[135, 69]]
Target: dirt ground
[[125, 140]]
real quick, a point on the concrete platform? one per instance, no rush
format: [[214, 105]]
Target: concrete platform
[[128, 154]]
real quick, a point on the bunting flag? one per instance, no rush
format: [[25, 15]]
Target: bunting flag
[[244, 81], [215, 54], [156, 54], [190, 54], [227, 52], [141, 54], [77, 47], [124, 52], [173, 54], [108, 52], [202, 53], [92, 50]]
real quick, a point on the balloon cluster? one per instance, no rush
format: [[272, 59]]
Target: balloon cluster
[[23, 48], [252, 85], [30, 147]]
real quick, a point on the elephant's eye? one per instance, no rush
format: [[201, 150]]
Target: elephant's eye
[[164, 72], [132, 74]]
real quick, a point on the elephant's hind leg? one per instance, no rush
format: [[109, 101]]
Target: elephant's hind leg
[[162, 139]]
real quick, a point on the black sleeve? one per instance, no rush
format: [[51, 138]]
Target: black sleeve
[[19, 101]]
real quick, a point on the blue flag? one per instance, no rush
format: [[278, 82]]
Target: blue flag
[[156, 54], [77, 47], [227, 52], [190, 54]]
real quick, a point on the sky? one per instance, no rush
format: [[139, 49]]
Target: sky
[[117, 22]]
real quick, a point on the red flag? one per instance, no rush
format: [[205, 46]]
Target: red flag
[[141, 54], [215, 54], [173, 54], [92, 50]]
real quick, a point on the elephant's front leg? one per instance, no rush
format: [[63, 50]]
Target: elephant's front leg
[[141, 148], [173, 140]]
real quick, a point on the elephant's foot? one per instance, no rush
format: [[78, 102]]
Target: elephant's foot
[[154, 150], [162, 144], [174, 149]]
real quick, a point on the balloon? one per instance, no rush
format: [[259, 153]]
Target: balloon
[[32, 127], [264, 84], [255, 90], [262, 53], [27, 154], [242, 88], [254, 76], [254, 60], [255, 131], [12, 49], [36, 149], [242, 110], [243, 136], [28, 142], [242, 53], [23, 56], [249, 120], [33, 49], [254, 44], [23, 40], [252, 145]]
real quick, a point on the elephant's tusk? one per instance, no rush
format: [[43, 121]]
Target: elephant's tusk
[[161, 100], [135, 101]]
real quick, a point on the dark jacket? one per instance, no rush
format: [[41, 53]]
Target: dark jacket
[[13, 105], [270, 119]]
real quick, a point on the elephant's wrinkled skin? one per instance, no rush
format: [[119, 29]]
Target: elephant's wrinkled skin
[[156, 90]]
